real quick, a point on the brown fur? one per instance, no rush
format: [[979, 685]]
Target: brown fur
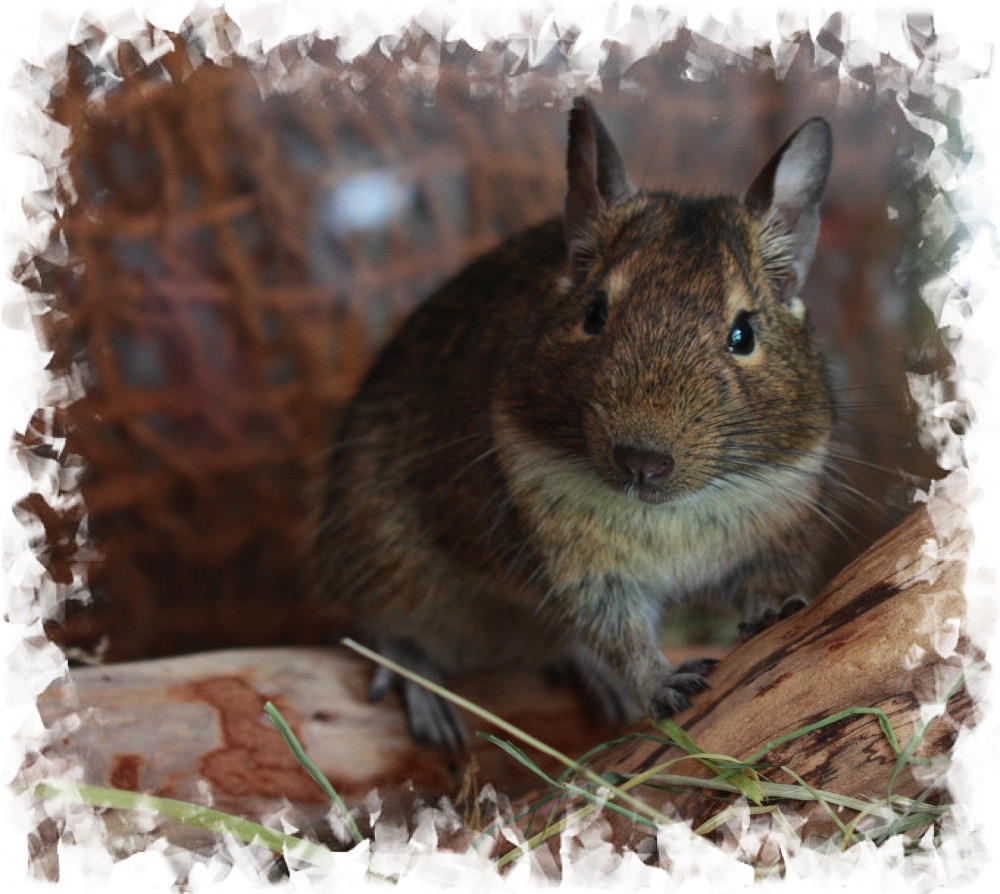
[[474, 508]]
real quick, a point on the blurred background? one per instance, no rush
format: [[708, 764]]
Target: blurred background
[[239, 239]]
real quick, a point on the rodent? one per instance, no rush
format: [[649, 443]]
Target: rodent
[[606, 414]]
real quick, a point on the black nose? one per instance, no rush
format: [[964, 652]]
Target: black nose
[[642, 464]]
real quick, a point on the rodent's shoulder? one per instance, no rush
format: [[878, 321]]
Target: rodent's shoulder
[[488, 306], [519, 268]]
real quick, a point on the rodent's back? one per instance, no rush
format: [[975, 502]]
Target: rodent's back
[[419, 530]]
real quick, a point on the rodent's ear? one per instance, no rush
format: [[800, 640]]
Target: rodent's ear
[[786, 196], [597, 180]]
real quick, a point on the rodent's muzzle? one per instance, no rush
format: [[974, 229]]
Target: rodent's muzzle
[[640, 464], [642, 472]]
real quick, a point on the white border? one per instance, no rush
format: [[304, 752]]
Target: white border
[[33, 31]]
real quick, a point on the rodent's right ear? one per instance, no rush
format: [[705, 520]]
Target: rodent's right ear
[[597, 179], [786, 197]]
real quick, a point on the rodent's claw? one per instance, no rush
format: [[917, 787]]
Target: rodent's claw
[[749, 629], [431, 720], [691, 683], [666, 702], [670, 697], [699, 666], [771, 616], [380, 684], [791, 605]]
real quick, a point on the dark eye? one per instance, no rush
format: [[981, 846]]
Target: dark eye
[[597, 313], [741, 340]]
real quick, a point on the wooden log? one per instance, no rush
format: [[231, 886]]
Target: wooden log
[[888, 633], [193, 727]]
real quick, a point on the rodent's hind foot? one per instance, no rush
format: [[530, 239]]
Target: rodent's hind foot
[[670, 695], [771, 616], [430, 719]]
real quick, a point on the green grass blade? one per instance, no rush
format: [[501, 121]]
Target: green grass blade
[[720, 818], [189, 814], [536, 840], [879, 714], [594, 797], [743, 776], [314, 771], [519, 755], [820, 798]]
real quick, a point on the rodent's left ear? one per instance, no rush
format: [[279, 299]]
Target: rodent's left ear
[[786, 196], [596, 176]]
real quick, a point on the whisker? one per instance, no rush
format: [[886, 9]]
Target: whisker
[[804, 498], [835, 455]]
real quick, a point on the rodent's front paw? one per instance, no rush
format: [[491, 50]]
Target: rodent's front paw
[[670, 694], [771, 616]]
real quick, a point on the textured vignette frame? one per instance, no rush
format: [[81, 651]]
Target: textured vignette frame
[[263, 26]]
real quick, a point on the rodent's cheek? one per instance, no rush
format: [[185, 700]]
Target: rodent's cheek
[[698, 460], [597, 438]]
